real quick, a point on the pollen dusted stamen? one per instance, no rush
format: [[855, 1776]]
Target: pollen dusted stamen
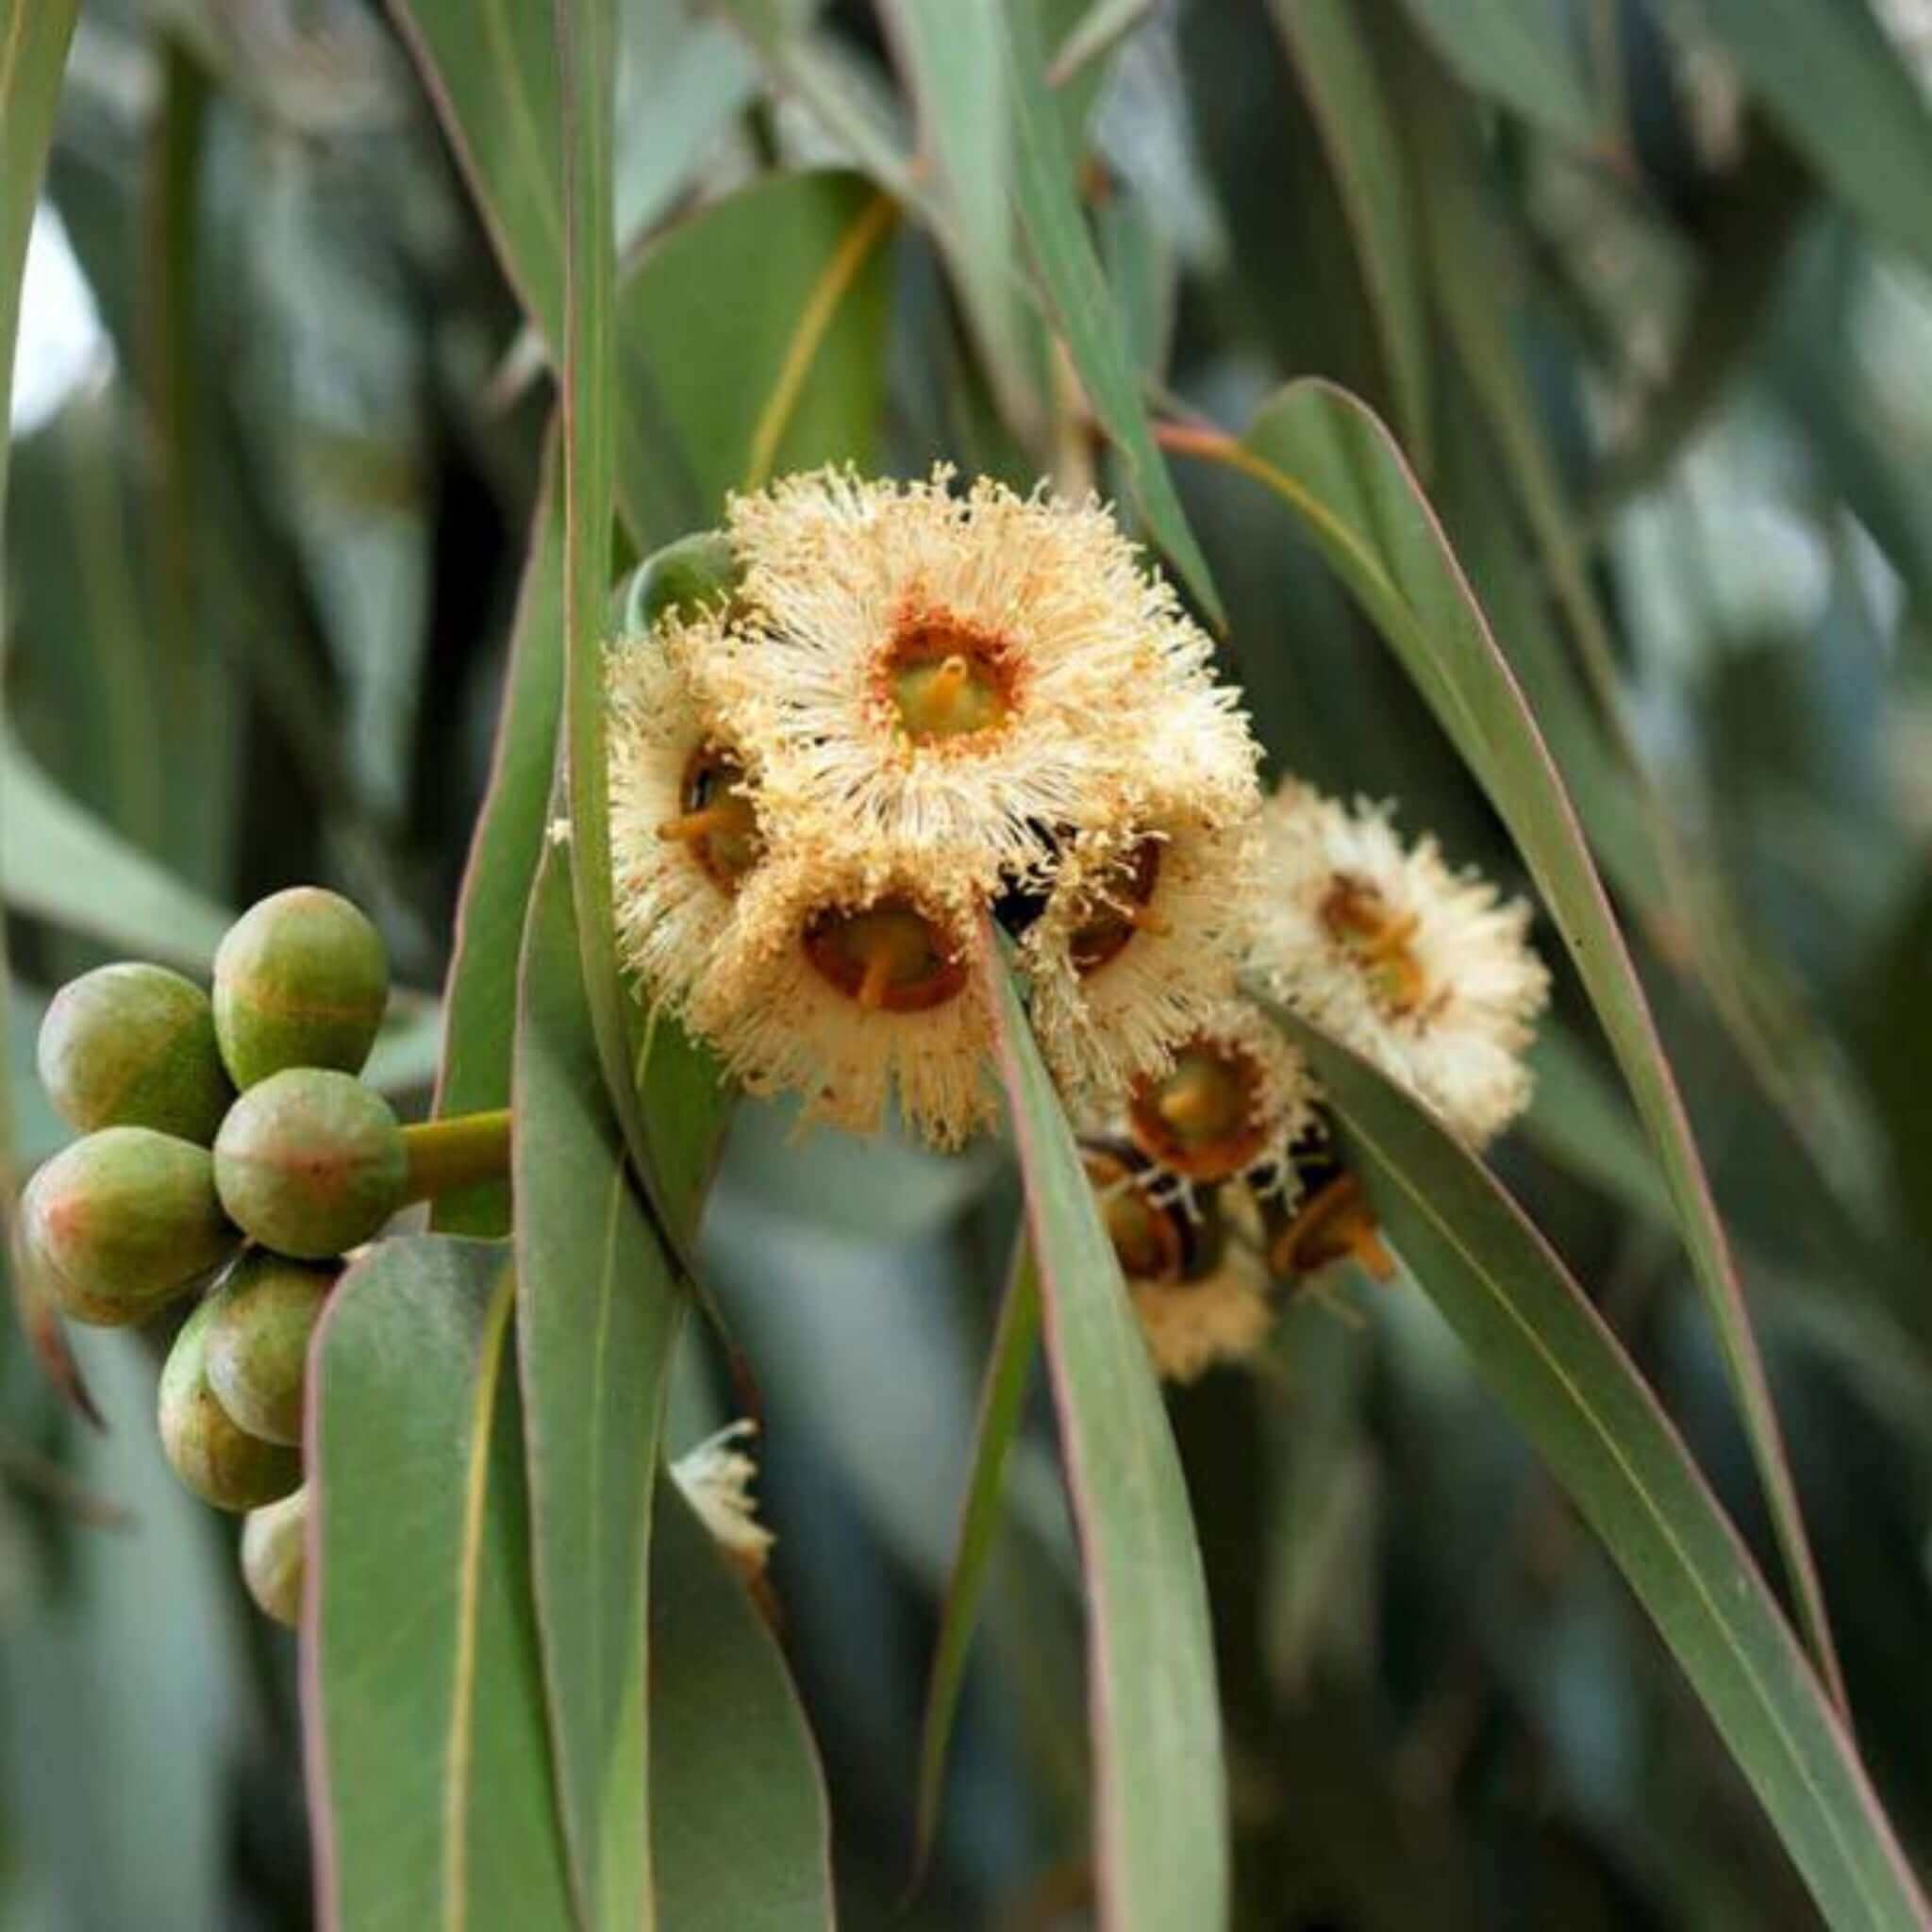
[[1359, 918], [945, 680], [1199, 1118], [889, 956], [719, 822]]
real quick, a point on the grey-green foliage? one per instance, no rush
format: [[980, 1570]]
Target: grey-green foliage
[[1639, 288]]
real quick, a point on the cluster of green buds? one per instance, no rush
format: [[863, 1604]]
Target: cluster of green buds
[[228, 1152]]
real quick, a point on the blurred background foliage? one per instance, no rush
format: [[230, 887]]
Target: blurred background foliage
[[1642, 285]]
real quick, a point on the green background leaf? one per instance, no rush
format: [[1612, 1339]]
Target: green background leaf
[[1161, 1817], [434, 1803], [1556, 1365], [597, 1315]]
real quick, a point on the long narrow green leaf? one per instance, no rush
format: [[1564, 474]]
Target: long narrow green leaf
[[1007, 1370], [491, 67], [1842, 93], [1160, 1805], [59, 863], [1519, 52], [589, 385], [953, 60], [740, 1828], [1044, 186], [1329, 51], [429, 1771], [751, 341], [1567, 1381], [480, 995], [1328, 459], [33, 52], [596, 1320]]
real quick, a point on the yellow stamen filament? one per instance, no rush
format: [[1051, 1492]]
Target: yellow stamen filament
[[689, 827]]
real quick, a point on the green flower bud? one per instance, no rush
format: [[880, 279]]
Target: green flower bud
[[263, 1312], [211, 1452], [310, 1162], [300, 981], [133, 1046], [125, 1220], [689, 576], [275, 1554]]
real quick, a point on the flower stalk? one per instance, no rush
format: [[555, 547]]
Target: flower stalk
[[464, 1151]]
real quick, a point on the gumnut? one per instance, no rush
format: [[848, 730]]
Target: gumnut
[[209, 1451], [262, 1314], [124, 1221], [275, 1554], [133, 1046], [301, 980], [310, 1163], [680, 580]]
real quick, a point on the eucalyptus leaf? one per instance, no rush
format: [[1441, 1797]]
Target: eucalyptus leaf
[[597, 1317], [1336, 63], [1008, 1371], [480, 995], [1043, 185], [1560, 1371], [751, 341], [739, 1826], [1519, 52], [1160, 1802], [59, 863], [430, 1766], [1845, 99]]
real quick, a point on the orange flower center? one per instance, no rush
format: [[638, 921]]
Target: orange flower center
[[889, 956], [1127, 908], [1359, 918], [717, 823], [1201, 1117], [1146, 1238], [947, 680]]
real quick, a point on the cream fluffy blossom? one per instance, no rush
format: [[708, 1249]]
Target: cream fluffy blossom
[[1138, 942], [1422, 970], [716, 1480], [971, 676], [673, 758], [1190, 1326], [851, 972]]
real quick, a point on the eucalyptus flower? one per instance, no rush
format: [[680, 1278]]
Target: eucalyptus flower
[[1424, 971]]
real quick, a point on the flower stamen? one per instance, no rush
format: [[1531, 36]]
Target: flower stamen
[[718, 823], [1358, 917], [1200, 1118]]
